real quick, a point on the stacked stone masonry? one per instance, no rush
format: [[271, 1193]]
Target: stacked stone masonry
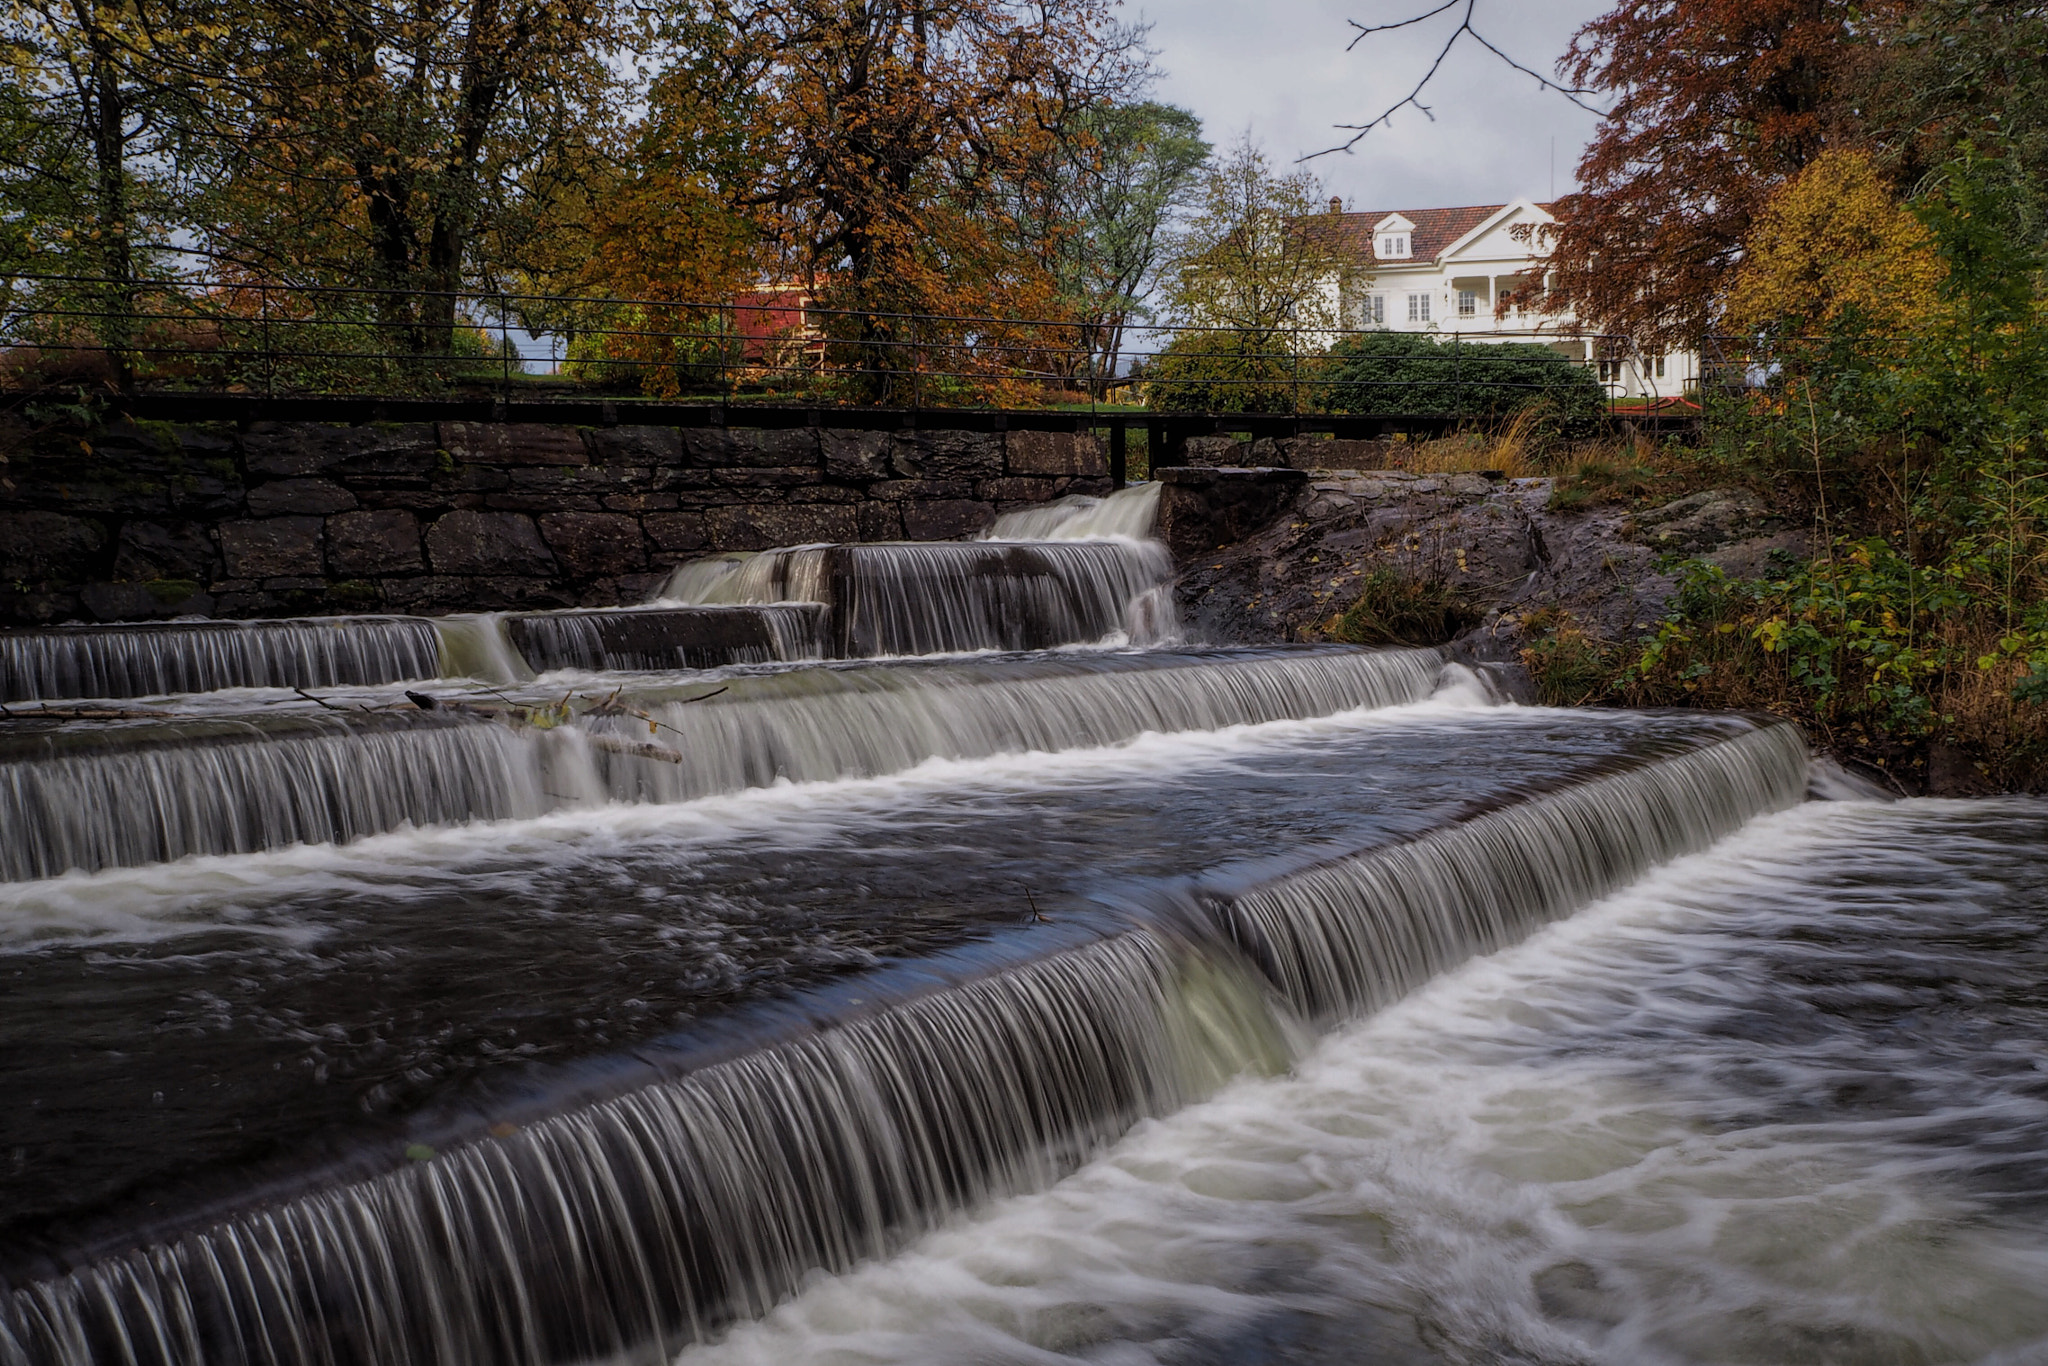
[[139, 521]]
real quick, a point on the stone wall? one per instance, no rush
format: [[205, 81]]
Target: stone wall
[[153, 520]]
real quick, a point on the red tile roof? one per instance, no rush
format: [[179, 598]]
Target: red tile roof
[[1435, 229]]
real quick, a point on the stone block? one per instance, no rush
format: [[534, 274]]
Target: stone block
[[1055, 454], [725, 447], [639, 502], [294, 450], [305, 497], [1214, 451], [1014, 490], [879, 521], [144, 601], [765, 477], [273, 547], [154, 550], [676, 531], [593, 543], [1201, 509], [47, 545], [855, 456], [494, 543], [542, 502], [513, 443], [893, 490], [384, 541], [945, 519], [756, 527], [947, 455], [635, 445]]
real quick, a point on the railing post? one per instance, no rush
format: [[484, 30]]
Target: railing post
[[1119, 453]]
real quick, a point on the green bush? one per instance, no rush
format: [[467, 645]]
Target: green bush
[[1229, 372], [1414, 374]]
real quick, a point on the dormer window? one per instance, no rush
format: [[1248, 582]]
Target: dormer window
[[1392, 245]]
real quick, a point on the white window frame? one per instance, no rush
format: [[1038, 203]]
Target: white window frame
[[1418, 307], [1393, 246], [1468, 303], [1374, 313]]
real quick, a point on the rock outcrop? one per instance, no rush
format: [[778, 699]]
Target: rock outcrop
[[1497, 543]]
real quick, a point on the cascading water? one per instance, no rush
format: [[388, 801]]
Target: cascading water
[[946, 596], [90, 798], [648, 1220], [684, 985], [172, 657], [671, 638]]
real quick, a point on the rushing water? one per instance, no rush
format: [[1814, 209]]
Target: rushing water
[[1782, 1101], [648, 984]]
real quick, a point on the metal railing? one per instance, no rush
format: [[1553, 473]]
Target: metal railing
[[161, 336]]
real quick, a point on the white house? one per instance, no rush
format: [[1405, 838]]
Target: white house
[[1443, 270]]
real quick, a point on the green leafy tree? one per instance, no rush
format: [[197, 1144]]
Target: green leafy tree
[[1251, 271]]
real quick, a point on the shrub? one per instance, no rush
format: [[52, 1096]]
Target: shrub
[[1414, 374]]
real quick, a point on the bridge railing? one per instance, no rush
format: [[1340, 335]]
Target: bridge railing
[[775, 346]]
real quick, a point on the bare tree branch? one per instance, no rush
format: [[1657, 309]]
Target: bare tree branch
[[1466, 29]]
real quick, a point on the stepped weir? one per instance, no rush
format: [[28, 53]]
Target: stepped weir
[[581, 986]]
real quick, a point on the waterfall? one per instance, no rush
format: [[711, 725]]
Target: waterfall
[[1354, 934], [106, 798], [642, 1221], [948, 596], [144, 659], [853, 723], [669, 638], [71, 800], [1128, 514]]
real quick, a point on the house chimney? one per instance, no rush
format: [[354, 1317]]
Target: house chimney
[[1336, 203]]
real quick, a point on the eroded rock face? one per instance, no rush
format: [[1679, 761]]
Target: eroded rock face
[[1496, 541]]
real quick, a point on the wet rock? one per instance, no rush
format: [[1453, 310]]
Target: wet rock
[[286, 451], [650, 446], [879, 521], [1055, 454], [1704, 521], [945, 519], [513, 443], [728, 447], [683, 530], [47, 545], [281, 497], [273, 547], [145, 601], [759, 527], [1202, 509], [155, 550], [384, 541], [594, 543], [855, 456], [947, 455], [496, 543], [1212, 452]]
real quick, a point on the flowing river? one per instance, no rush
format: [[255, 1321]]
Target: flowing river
[[922, 954]]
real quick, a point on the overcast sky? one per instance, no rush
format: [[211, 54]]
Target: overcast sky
[[1279, 68]]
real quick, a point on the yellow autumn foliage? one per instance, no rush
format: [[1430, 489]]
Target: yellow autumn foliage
[[1834, 246]]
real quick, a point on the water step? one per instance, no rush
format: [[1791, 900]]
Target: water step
[[640, 1222], [951, 596], [94, 795]]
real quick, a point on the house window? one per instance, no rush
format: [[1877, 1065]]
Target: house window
[[1468, 303], [1374, 311], [1418, 308], [1660, 367], [1610, 371], [1393, 244]]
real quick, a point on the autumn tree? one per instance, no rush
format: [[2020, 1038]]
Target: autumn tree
[[354, 145], [92, 109], [1833, 249], [1713, 105], [893, 142]]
